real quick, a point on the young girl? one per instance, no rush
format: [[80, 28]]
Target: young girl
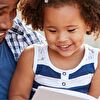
[[66, 62]]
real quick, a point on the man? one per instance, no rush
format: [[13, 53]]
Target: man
[[7, 61]]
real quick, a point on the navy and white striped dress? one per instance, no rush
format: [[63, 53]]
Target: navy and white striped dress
[[77, 79]]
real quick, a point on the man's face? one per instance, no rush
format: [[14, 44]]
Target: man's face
[[7, 14]]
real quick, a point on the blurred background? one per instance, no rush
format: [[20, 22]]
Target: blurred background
[[89, 39]]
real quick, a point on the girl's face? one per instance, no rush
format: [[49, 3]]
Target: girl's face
[[64, 29], [7, 14]]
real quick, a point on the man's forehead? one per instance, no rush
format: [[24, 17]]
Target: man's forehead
[[8, 1]]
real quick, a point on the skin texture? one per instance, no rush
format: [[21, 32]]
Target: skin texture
[[64, 30], [7, 14]]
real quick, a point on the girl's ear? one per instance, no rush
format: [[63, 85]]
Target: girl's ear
[[88, 27]]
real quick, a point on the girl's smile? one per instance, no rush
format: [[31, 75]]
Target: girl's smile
[[64, 47]]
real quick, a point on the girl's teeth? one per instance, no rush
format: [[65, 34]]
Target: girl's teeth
[[64, 46]]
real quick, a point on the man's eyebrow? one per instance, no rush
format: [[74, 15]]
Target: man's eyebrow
[[3, 7]]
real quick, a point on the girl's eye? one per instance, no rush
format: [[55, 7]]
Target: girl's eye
[[71, 30], [51, 30]]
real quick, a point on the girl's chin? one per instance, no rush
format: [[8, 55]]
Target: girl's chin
[[66, 54]]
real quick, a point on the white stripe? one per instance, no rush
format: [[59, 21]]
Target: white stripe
[[80, 81], [48, 81], [54, 82]]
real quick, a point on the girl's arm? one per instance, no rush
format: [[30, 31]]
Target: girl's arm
[[22, 80], [95, 85]]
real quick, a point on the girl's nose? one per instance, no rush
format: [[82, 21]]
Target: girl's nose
[[63, 37]]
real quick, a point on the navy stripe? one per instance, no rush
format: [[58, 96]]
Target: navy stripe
[[84, 70], [35, 85], [82, 89], [47, 71]]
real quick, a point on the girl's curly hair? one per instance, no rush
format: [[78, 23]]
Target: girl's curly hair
[[33, 12]]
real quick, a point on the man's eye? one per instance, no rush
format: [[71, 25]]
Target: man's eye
[[1, 13]]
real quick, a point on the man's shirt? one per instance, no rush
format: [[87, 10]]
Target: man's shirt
[[20, 36], [7, 68]]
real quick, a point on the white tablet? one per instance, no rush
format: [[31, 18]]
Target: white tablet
[[46, 93]]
